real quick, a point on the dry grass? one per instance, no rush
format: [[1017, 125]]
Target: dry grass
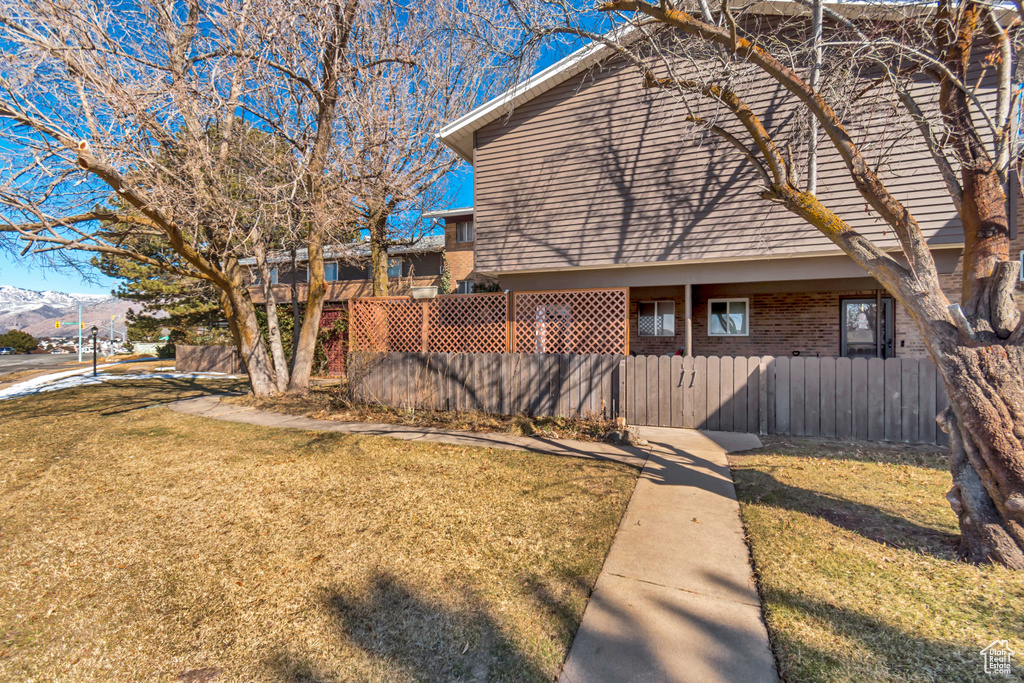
[[854, 548], [141, 544], [324, 402], [8, 378]]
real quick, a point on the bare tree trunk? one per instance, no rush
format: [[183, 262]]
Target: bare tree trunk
[[379, 254], [985, 422], [295, 306], [281, 372], [332, 65], [305, 349], [245, 330]]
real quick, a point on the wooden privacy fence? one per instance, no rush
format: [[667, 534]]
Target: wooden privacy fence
[[224, 359], [504, 383], [892, 400]]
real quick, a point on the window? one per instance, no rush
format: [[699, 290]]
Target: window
[[858, 336], [394, 267], [257, 280], [657, 319], [331, 271], [464, 231], [464, 287], [728, 317]]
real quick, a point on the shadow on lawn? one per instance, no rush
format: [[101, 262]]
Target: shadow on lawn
[[757, 487], [901, 654], [116, 397], [425, 639], [930, 457]]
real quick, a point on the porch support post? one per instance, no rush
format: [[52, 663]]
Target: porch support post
[[878, 323], [688, 311]]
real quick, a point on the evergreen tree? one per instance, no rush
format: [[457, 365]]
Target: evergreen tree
[[187, 307], [22, 342]]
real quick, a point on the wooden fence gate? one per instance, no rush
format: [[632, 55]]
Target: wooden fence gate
[[190, 358], [893, 400]]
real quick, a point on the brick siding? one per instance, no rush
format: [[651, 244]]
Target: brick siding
[[459, 254], [782, 323], [779, 324]]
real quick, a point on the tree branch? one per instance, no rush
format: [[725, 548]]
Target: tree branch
[[867, 182]]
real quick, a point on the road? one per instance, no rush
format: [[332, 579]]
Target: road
[[40, 361]]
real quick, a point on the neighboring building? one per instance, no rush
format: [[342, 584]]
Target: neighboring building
[[459, 234], [584, 180], [348, 274]]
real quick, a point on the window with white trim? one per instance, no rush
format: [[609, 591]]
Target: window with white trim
[[464, 231], [394, 267], [656, 319], [330, 271], [464, 287], [728, 317]]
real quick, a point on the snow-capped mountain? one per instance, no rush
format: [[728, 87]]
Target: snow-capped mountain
[[37, 312], [15, 300]]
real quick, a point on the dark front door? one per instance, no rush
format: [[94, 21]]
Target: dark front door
[[865, 333]]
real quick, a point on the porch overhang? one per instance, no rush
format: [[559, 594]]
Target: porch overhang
[[705, 272]]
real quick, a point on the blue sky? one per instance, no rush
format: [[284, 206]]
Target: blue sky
[[24, 273]]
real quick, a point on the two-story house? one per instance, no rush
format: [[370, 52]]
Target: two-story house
[[583, 178], [347, 269]]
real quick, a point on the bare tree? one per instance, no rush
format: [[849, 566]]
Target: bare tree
[[393, 109], [118, 122], [942, 75], [215, 127]]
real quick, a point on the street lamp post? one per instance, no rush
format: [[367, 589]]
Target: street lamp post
[[95, 331]]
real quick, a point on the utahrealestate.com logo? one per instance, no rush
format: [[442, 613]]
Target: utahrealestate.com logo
[[997, 658]]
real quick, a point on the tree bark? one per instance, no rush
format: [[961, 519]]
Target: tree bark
[[245, 329], [305, 349], [281, 370], [985, 422], [379, 254], [332, 66]]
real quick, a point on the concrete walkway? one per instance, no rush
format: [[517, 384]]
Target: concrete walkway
[[211, 406], [675, 600]]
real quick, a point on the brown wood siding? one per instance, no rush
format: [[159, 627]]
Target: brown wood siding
[[599, 171]]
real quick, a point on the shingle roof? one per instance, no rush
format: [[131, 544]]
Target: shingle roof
[[425, 244]]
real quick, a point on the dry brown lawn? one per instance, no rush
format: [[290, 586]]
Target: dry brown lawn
[[854, 546], [141, 544]]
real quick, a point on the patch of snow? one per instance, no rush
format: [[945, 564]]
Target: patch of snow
[[83, 378]]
